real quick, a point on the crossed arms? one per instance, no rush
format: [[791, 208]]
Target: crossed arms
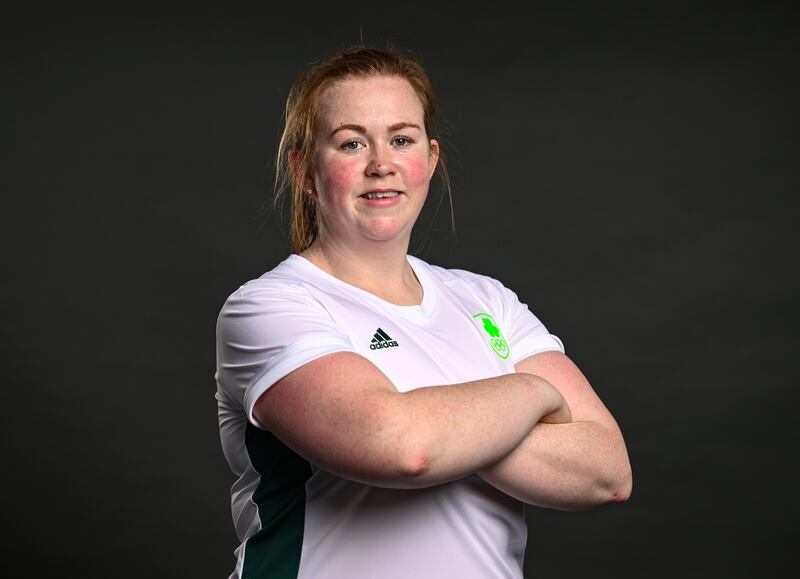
[[540, 435]]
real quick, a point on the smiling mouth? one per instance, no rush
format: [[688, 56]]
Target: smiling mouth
[[381, 194]]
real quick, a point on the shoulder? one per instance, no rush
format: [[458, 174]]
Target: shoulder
[[283, 283], [269, 327], [281, 299]]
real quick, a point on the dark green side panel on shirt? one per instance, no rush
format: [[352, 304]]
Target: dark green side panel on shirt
[[274, 551]]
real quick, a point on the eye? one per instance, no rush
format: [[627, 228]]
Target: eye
[[402, 142], [351, 145]]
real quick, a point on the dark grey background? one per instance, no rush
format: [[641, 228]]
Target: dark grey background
[[631, 173]]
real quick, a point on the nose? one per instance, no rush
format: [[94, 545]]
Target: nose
[[380, 163]]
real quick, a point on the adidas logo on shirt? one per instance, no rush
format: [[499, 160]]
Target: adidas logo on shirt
[[381, 340]]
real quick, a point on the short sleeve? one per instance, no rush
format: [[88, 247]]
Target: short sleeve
[[526, 335], [266, 330]]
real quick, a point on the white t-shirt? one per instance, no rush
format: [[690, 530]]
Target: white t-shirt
[[297, 520]]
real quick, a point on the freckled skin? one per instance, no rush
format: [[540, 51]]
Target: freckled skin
[[377, 155]]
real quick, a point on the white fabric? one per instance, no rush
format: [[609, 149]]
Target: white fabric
[[296, 313]]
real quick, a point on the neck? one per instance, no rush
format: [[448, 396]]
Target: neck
[[381, 269]]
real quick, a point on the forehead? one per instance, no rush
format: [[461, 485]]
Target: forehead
[[370, 100]]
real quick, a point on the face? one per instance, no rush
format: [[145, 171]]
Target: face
[[373, 161]]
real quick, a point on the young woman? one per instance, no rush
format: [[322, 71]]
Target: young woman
[[385, 417]]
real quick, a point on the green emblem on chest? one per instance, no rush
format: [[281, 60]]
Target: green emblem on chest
[[496, 339]]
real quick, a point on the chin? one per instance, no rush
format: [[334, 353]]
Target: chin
[[385, 231], [384, 238]]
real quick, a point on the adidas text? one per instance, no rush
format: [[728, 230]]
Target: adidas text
[[386, 344]]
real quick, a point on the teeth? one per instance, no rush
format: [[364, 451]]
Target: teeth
[[382, 195]]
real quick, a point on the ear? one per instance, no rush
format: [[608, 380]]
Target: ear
[[434, 156], [308, 183]]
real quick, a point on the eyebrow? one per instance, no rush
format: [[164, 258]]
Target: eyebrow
[[362, 129]]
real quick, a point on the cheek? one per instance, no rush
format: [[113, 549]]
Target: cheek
[[337, 177], [417, 172]]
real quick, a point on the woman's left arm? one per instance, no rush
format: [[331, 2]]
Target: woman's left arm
[[569, 466]]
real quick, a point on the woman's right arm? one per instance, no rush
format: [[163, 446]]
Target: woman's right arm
[[342, 413]]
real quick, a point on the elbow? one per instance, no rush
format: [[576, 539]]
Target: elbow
[[618, 489], [621, 492], [618, 483], [396, 468], [403, 470], [409, 452], [613, 487], [414, 446], [415, 453], [416, 465]]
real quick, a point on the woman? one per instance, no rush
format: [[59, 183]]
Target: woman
[[385, 417]]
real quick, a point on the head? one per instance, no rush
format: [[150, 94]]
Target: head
[[296, 152]]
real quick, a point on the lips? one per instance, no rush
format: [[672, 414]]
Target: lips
[[385, 194]]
